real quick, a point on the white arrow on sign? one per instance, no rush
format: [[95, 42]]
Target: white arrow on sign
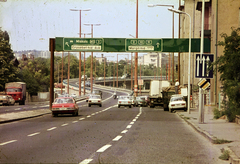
[[198, 66], [67, 44], [158, 45], [203, 65]]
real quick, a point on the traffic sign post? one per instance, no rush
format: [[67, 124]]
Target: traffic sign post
[[143, 45], [202, 67]]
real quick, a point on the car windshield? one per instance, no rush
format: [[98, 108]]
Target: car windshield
[[13, 90], [95, 97], [177, 99], [63, 100], [123, 97]]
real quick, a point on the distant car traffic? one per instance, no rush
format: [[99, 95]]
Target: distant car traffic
[[97, 92], [124, 101], [6, 100], [125, 76], [95, 100], [141, 101], [64, 105], [133, 100], [146, 99], [177, 102]]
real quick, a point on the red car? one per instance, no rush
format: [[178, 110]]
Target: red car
[[64, 105]]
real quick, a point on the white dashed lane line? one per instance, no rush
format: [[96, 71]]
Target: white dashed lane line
[[102, 149], [124, 131], [8, 142], [74, 122], [86, 161], [51, 128], [117, 138], [64, 124], [30, 135]]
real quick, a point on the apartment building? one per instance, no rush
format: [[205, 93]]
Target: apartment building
[[220, 16]]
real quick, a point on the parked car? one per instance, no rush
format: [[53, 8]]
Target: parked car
[[6, 100], [177, 102], [124, 101], [95, 100], [64, 105], [141, 101]]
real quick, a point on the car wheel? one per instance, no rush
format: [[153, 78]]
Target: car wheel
[[170, 110], [100, 105], [185, 109], [130, 106], [89, 105], [118, 106]]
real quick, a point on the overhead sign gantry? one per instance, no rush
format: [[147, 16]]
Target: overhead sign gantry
[[129, 45]]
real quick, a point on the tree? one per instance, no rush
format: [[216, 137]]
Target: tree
[[8, 72], [229, 69]]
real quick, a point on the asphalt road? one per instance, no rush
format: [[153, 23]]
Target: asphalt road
[[105, 135]]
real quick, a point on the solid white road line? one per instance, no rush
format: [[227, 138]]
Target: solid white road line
[[117, 138], [52, 128], [30, 135], [7, 142], [102, 149]]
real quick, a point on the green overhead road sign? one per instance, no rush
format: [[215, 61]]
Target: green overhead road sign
[[80, 44], [143, 45], [129, 45]]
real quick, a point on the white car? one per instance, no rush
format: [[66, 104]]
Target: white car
[[133, 100], [177, 102], [124, 101], [94, 100]]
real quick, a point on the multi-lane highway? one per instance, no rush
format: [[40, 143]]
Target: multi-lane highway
[[105, 134]]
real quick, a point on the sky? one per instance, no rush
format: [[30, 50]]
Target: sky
[[30, 23]]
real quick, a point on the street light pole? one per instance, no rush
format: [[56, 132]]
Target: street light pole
[[189, 51], [151, 5], [80, 58], [91, 74]]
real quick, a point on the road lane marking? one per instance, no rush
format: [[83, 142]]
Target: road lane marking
[[131, 123], [89, 116], [86, 161], [17, 109], [102, 149], [64, 124], [129, 126], [7, 142], [117, 138], [30, 135], [134, 120], [52, 128], [124, 131], [74, 122], [81, 119]]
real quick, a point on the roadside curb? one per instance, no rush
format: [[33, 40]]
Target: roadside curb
[[233, 159], [20, 117]]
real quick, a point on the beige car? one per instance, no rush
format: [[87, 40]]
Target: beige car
[[6, 100]]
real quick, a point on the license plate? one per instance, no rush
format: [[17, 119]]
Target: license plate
[[62, 108]]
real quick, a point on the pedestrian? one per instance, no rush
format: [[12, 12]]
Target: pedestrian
[[176, 86]]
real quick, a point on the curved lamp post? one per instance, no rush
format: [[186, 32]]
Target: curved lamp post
[[189, 51]]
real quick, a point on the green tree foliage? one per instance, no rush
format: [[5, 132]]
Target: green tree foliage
[[8, 72], [229, 69]]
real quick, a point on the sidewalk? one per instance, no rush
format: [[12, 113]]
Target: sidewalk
[[20, 115], [216, 130]]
